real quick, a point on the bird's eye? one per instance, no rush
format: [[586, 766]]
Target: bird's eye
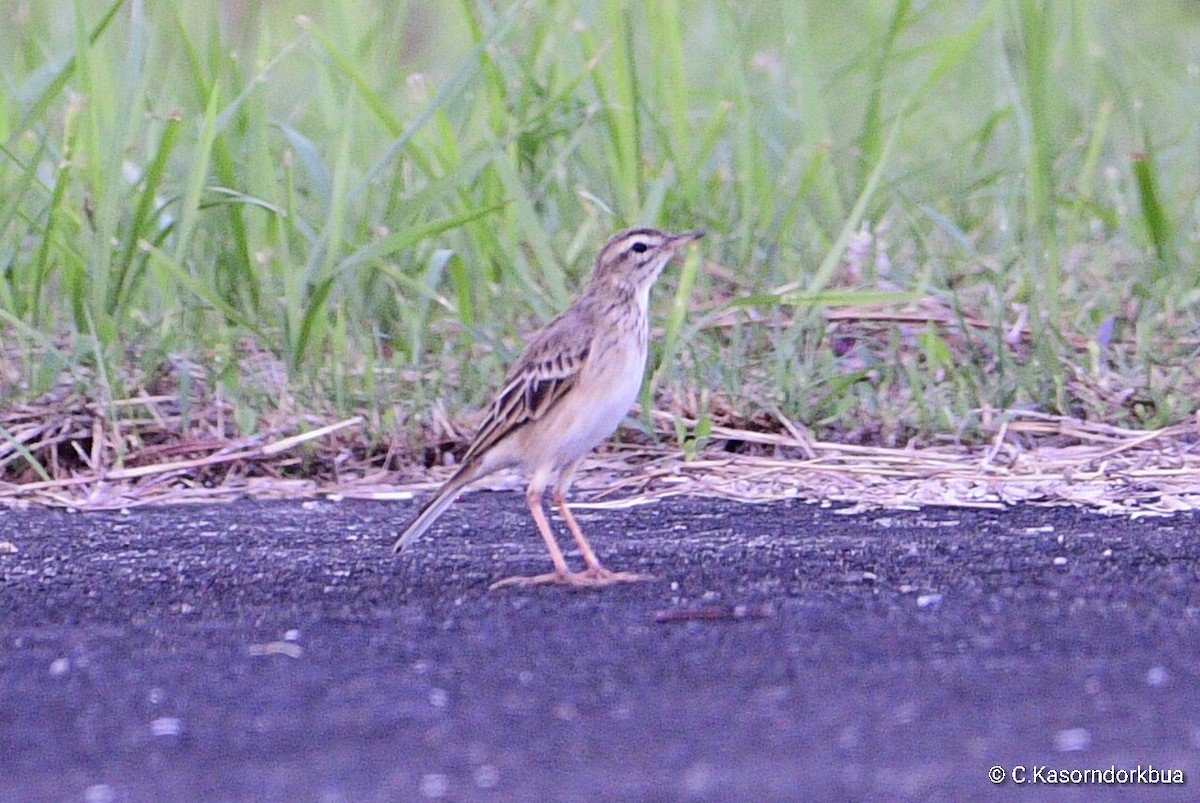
[[638, 247]]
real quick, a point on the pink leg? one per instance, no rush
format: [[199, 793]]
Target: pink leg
[[595, 575], [533, 498], [598, 574]]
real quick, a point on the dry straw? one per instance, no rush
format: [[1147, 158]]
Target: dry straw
[[90, 462]]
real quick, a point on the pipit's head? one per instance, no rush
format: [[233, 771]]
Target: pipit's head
[[637, 256]]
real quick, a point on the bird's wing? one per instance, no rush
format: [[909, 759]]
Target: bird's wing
[[538, 380]]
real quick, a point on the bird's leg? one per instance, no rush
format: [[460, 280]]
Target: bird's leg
[[595, 574], [533, 498], [589, 556]]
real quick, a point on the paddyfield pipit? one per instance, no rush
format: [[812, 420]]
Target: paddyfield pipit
[[568, 391]]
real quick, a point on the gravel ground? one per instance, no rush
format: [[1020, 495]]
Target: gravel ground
[[279, 651]]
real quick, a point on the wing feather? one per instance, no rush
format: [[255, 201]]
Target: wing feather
[[535, 384]]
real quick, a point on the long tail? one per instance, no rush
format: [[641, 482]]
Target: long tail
[[437, 505]]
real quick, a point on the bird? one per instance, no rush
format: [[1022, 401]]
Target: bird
[[570, 388]]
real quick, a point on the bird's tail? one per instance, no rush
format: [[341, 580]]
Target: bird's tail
[[437, 505]]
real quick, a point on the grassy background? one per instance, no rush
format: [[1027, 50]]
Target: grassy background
[[362, 209]]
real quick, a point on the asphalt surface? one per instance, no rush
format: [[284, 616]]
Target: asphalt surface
[[279, 651]]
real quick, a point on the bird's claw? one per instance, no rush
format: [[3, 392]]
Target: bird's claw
[[589, 578]]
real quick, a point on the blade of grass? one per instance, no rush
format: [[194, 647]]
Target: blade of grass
[[134, 231], [833, 255], [1154, 217], [48, 84], [674, 325], [1037, 32], [189, 212], [30, 460]]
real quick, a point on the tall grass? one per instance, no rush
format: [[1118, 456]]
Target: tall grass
[[362, 209]]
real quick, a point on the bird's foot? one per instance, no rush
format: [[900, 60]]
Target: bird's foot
[[601, 576], [589, 578]]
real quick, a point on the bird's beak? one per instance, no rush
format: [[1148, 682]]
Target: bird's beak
[[682, 239]]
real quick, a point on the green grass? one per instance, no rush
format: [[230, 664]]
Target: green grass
[[360, 211]]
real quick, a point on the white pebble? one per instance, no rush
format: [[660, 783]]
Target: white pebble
[[1072, 740]]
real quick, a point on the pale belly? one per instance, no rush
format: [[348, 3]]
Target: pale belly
[[579, 423]]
